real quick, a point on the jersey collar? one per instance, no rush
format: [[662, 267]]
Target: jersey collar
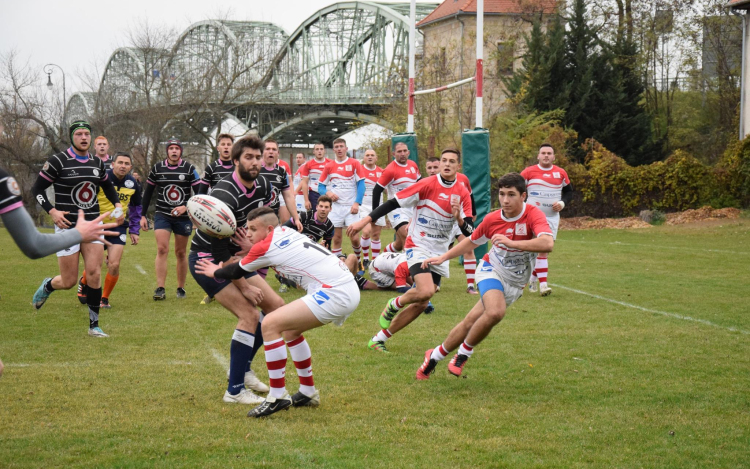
[[523, 210], [72, 153], [545, 169], [402, 165], [166, 163], [244, 188], [445, 183]]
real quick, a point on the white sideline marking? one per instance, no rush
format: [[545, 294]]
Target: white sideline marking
[[221, 359], [140, 269], [657, 246], [655, 311]]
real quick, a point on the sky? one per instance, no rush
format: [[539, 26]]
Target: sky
[[80, 37]]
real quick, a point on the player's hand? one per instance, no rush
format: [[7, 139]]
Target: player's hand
[[240, 239], [58, 218], [308, 205], [207, 268], [134, 239], [357, 226], [558, 206], [144, 223], [253, 294], [355, 208], [121, 218], [332, 195], [298, 224], [456, 210], [93, 230], [499, 239], [179, 211], [432, 261]]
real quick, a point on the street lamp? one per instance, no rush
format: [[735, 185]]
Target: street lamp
[[48, 70]]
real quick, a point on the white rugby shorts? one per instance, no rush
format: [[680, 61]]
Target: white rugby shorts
[[485, 271], [341, 215], [418, 255], [74, 248], [554, 224], [400, 216], [364, 211], [299, 201], [335, 304]]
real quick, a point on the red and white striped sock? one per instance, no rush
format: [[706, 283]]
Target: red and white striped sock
[[357, 252], [382, 336], [375, 249], [302, 358], [336, 252], [276, 363], [364, 243], [397, 302], [439, 353], [470, 267], [466, 349], [541, 271], [389, 248]]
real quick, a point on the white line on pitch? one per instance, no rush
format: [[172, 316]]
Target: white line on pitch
[[140, 269], [655, 311], [657, 246], [221, 359]]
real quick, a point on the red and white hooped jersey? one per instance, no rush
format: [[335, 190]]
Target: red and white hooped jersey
[[513, 265], [397, 177], [296, 257], [432, 224], [342, 178], [371, 179], [393, 264], [544, 187], [312, 170], [462, 179]]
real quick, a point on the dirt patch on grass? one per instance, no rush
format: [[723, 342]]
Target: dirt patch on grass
[[703, 214]]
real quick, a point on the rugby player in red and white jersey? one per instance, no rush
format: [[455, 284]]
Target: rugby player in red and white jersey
[[310, 175], [299, 199], [549, 189], [371, 233], [518, 232], [343, 179], [437, 201], [400, 174], [332, 295]]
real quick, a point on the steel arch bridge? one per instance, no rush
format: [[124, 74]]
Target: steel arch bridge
[[330, 75]]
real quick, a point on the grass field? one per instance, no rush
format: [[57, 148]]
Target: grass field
[[640, 358]]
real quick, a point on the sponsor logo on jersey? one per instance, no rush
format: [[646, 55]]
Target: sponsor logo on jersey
[[320, 297], [129, 184], [283, 242], [521, 229], [84, 195], [96, 172], [556, 174], [40, 199], [348, 167], [46, 166], [442, 196], [509, 232], [174, 194], [182, 177], [13, 186]]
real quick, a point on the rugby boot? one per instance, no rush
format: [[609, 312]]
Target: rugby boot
[[271, 405], [82, 291], [545, 290], [303, 400], [389, 312], [105, 303], [181, 295], [243, 397], [41, 295], [456, 365], [160, 294], [97, 332], [428, 366], [378, 346]]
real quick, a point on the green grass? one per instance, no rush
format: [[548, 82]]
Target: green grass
[[565, 381]]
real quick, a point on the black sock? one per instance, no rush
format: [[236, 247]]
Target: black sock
[[48, 286], [93, 299]]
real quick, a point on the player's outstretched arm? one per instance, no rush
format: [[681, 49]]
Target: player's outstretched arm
[[543, 243], [464, 247]]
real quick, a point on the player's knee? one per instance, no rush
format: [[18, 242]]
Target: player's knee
[[421, 305], [113, 268], [162, 250], [270, 326], [180, 252], [494, 314], [423, 295]]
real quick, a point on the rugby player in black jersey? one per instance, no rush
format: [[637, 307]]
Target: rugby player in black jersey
[[173, 179], [76, 177], [242, 191], [220, 168], [33, 243]]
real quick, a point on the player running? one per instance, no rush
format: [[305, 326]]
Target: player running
[[518, 232], [437, 201], [371, 233], [129, 192], [76, 177], [400, 174], [310, 176], [174, 179], [332, 295], [343, 181], [242, 191], [550, 191], [220, 168], [316, 226]]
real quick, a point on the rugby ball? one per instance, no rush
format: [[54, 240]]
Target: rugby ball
[[212, 216]]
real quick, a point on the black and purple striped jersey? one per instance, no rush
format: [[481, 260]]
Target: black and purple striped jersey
[[314, 229], [10, 193], [215, 172], [76, 180], [240, 201], [173, 185], [279, 179]]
